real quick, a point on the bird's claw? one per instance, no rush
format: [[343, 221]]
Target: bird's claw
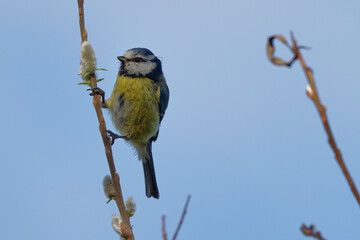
[[97, 91], [114, 136]]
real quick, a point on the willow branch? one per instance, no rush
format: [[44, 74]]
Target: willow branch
[[182, 217], [314, 96], [102, 128], [82, 21]]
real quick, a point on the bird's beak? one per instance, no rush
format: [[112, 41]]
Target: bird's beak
[[121, 58]]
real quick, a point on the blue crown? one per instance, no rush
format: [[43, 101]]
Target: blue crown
[[142, 51]]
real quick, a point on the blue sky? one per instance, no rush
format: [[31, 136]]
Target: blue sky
[[239, 134]]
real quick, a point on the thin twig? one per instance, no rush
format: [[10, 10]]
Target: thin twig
[[310, 231], [102, 128], [82, 21], [314, 96], [182, 217], [163, 228], [322, 112]]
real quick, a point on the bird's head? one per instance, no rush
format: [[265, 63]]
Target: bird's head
[[140, 62]]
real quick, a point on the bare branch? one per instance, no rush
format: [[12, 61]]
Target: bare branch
[[182, 217], [163, 228], [82, 21], [310, 231], [102, 128], [314, 96]]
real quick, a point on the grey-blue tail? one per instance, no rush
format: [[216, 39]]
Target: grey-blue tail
[[149, 173]]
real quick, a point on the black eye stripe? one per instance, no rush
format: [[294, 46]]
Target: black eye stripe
[[137, 59]]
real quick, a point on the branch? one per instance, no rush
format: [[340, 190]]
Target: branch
[[314, 96], [182, 217], [163, 228], [82, 21], [102, 128], [310, 231]]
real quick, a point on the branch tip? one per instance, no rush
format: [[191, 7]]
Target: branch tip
[[182, 217]]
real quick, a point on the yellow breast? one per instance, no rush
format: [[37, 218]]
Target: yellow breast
[[134, 108]]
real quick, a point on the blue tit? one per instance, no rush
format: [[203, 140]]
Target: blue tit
[[137, 106]]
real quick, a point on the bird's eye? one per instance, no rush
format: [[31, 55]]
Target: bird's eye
[[137, 59]]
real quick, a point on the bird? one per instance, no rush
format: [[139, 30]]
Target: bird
[[137, 106]]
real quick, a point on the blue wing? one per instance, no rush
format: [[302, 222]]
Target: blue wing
[[163, 103], [164, 99]]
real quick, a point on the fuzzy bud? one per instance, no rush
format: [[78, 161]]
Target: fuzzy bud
[[108, 185], [130, 206], [116, 223], [88, 59]]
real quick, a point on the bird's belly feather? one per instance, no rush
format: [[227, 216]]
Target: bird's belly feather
[[136, 113]]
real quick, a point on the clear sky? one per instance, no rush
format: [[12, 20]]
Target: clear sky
[[239, 134]]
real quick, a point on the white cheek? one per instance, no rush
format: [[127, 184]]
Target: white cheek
[[140, 68]]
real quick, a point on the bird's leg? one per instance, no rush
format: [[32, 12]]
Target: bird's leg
[[114, 136], [98, 91]]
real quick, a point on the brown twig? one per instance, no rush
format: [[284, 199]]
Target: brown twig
[[102, 128], [82, 21], [182, 217], [314, 96], [322, 112], [310, 231], [163, 228]]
